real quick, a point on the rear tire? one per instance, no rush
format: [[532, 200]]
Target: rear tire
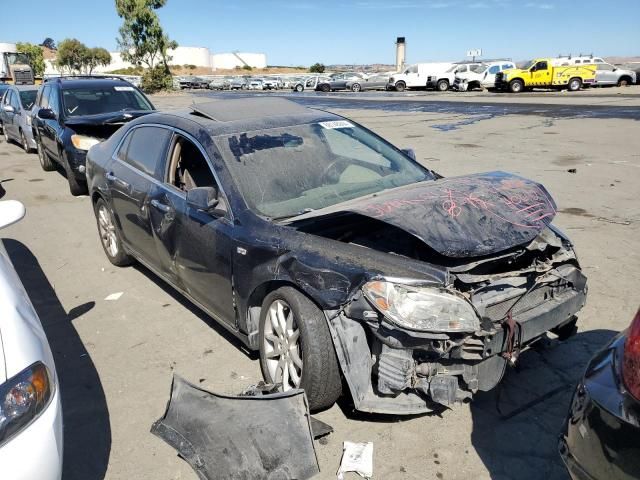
[[325, 88], [110, 236], [442, 85], [45, 161], [516, 86], [575, 84], [319, 372]]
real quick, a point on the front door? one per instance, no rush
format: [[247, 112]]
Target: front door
[[541, 74], [131, 176], [194, 247]]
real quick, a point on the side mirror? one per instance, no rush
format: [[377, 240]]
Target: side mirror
[[9, 109], [409, 153], [46, 114], [11, 211], [203, 198]]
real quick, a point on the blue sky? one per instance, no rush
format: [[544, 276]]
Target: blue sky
[[301, 32]]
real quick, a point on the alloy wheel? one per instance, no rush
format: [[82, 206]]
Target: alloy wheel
[[107, 231], [282, 346]]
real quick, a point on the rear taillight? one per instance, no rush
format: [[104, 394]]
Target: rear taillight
[[631, 359]]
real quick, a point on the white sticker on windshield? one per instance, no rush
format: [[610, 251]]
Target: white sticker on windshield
[[124, 89], [337, 124]]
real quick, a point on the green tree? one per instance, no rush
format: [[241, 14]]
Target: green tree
[[72, 55], [35, 55], [49, 43], [97, 56], [142, 39], [317, 68]]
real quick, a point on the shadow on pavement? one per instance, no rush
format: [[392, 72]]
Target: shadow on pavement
[[186, 303], [87, 432], [516, 426]]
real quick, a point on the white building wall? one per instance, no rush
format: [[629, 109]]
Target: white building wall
[[198, 56]]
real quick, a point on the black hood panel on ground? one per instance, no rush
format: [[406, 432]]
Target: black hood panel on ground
[[459, 217]]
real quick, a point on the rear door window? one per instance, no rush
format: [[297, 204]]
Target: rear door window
[[147, 150], [495, 69]]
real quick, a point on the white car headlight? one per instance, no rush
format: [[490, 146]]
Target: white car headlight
[[422, 308], [82, 142]]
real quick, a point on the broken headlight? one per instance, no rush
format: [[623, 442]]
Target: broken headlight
[[422, 308]]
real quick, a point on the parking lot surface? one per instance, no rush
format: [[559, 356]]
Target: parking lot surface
[[116, 358]]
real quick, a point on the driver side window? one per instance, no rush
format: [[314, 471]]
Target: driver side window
[[541, 66], [188, 168]]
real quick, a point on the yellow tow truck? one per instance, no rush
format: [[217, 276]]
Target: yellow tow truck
[[546, 73]]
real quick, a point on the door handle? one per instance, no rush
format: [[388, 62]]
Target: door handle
[[160, 206], [113, 179]]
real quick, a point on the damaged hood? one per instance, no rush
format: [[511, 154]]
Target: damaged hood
[[459, 217], [103, 125]]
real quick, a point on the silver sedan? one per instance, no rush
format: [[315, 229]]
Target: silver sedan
[[15, 115], [376, 82]]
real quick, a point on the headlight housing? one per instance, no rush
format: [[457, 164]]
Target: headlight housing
[[82, 142], [425, 309], [22, 399]]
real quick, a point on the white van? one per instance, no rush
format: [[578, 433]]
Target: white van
[[418, 75]]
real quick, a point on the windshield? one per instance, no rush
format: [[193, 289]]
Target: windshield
[[478, 68], [93, 100], [17, 59], [28, 98], [283, 172], [528, 65]]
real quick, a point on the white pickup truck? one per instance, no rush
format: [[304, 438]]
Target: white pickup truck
[[419, 75], [481, 76]]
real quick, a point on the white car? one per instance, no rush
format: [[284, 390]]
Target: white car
[[256, 84], [481, 76], [30, 410]]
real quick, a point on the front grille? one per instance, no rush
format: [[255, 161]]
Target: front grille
[[23, 76], [498, 311]]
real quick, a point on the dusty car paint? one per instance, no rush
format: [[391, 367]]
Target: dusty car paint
[[519, 268]]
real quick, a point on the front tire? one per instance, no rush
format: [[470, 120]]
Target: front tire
[[401, 86], [296, 349], [109, 235], [45, 161], [442, 85], [299, 88], [516, 86], [356, 87]]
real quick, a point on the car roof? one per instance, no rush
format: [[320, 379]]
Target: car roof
[[25, 87], [229, 116], [76, 82]]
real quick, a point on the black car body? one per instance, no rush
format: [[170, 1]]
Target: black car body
[[418, 288], [71, 114], [601, 436]]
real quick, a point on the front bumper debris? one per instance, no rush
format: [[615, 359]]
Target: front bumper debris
[[393, 371], [266, 436]]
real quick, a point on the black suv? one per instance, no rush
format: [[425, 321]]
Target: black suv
[[75, 113]]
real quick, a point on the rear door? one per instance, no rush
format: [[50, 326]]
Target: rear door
[[195, 247], [132, 174]]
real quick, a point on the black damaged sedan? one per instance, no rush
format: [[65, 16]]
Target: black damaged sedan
[[335, 254]]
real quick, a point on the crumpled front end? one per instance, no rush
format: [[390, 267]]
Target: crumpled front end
[[517, 296]]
